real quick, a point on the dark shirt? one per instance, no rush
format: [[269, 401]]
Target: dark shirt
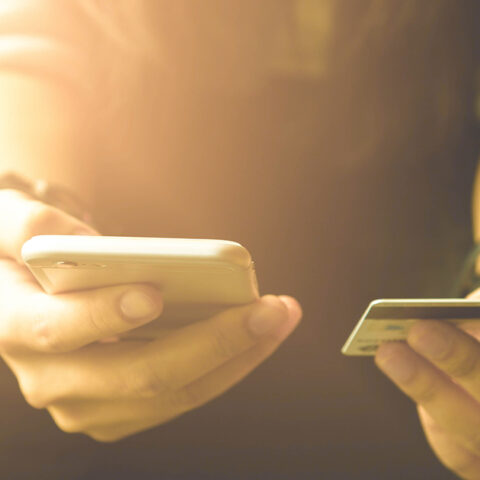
[[277, 176]]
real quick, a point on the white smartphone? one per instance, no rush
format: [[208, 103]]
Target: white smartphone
[[198, 278], [387, 320]]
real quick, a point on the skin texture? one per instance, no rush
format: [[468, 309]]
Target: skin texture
[[109, 390], [439, 369], [63, 349]]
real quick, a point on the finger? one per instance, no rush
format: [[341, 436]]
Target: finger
[[451, 350], [475, 295], [147, 370], [108, 421], [15, 277], [22, 217], [36, 321], [191, 352], [76, 376], [472, 327], [448, 404], [206, 388], [450, 453], [224, 377]]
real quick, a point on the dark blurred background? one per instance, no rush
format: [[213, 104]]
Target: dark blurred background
[[345, 187]]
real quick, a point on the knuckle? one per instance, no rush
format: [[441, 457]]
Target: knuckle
[[223, 345], [35, 400], [33, 394], [424, 389], [47, 339], [148, 381], [463, 367], [66, 422]]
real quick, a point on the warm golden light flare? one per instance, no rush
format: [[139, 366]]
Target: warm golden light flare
[[336, 141]]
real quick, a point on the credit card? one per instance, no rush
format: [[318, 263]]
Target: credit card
[[388, 320]]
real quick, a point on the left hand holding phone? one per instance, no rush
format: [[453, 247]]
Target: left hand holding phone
[[111, 390], [439, 369]]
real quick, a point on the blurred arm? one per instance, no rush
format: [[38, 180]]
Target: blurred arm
[[45, 132]]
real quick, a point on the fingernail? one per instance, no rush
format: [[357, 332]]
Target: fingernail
[[137, 305], [430, 341], [395, 364], [294, 309], [268, 316]]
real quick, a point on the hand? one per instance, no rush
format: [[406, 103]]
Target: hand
[[439, 369], [111, 390]]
